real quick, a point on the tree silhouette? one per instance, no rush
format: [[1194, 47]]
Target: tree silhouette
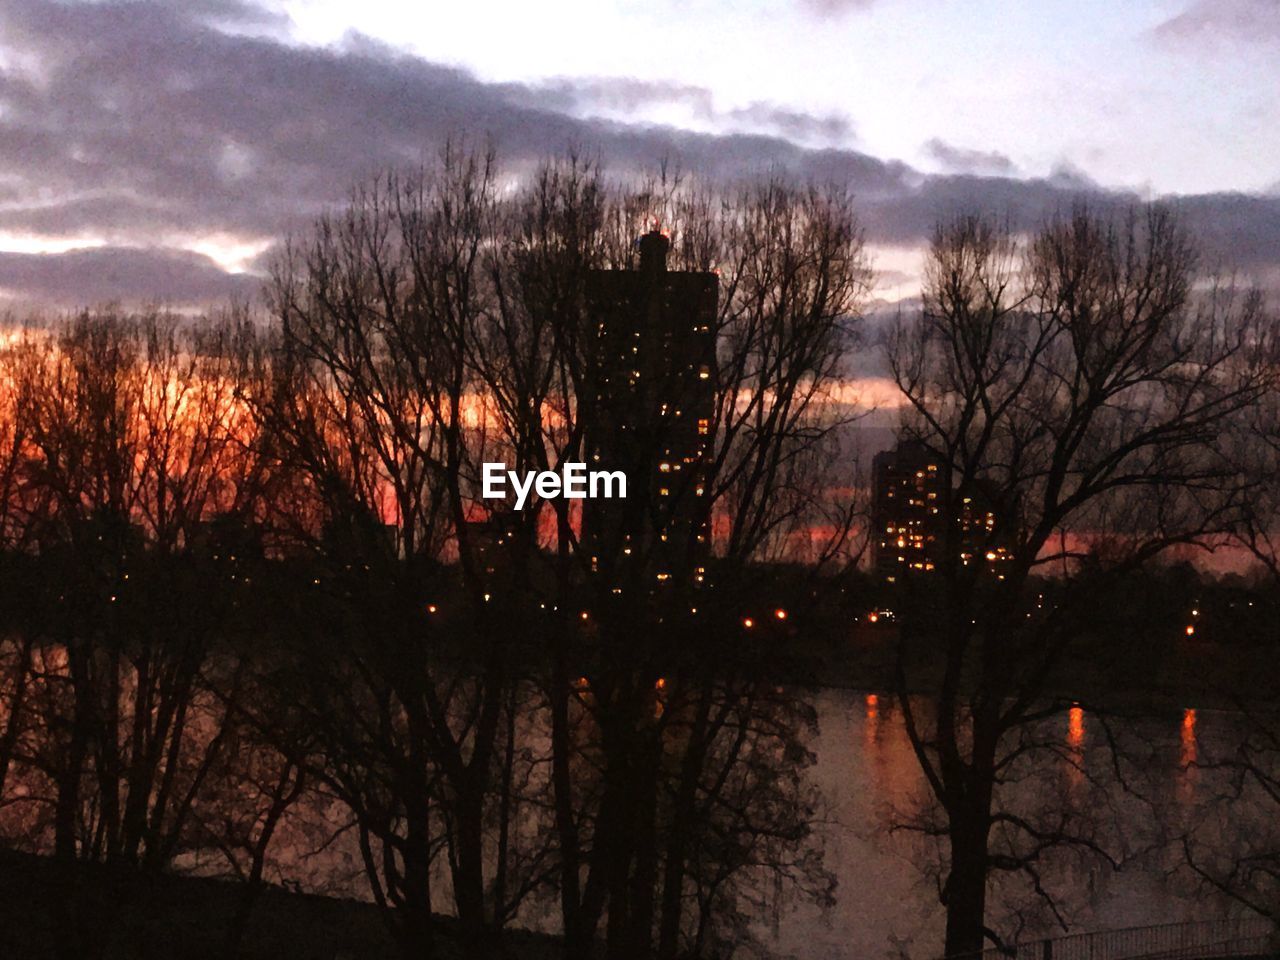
[[1076, 384]]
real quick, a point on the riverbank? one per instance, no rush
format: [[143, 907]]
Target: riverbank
[[124, 914]]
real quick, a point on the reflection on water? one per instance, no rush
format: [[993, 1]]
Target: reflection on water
[[1075, 745], [866, 768], [1189, 774], [868, 774], [1075, 728], [1188, 737]]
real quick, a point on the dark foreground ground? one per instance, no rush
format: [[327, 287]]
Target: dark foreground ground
[[124, 915]]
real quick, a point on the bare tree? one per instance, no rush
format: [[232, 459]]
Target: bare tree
[[436, 324], [17, 648], [655, 664], [1233, 847], [1074, 386], [372, 399], [130, 443]]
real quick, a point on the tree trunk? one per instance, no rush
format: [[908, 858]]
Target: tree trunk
[[416, 932], [13, 724], [681, 819], [645, 846], [966, 889], [468, 875], [577, 939]]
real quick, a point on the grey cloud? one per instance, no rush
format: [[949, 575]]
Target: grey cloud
[[144, 117], [1235, 230], [794, 125], [908, 217], [141, 121], [964, 160], [627, 94], [834, 8], [103, 274], [173, 124], [610, 93], [1216, 21], [893, 278]]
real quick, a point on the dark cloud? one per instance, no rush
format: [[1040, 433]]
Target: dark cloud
[[103, 274], [141, 116], [795, 125], [623, 94], [1235, 230], [886, 278], [139, 122], [908, 217], [627, 95], [145, 115], [1245, 21], [963, 160], [834, 8]]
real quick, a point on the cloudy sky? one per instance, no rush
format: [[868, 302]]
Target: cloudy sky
[[158, 150]]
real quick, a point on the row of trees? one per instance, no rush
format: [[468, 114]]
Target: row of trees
[[249, 564], [255, 565]]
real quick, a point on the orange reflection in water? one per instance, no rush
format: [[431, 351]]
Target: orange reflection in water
[[1189, 774], [1188, 736], [1075, 727], [873, 717], [1075, 745]]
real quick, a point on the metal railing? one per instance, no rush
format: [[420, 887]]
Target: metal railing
[[1195, 940]]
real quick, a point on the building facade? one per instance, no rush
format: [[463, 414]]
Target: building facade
[[653, 416], [913, 507]]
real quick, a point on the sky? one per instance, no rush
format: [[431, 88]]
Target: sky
[[159, 150]]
